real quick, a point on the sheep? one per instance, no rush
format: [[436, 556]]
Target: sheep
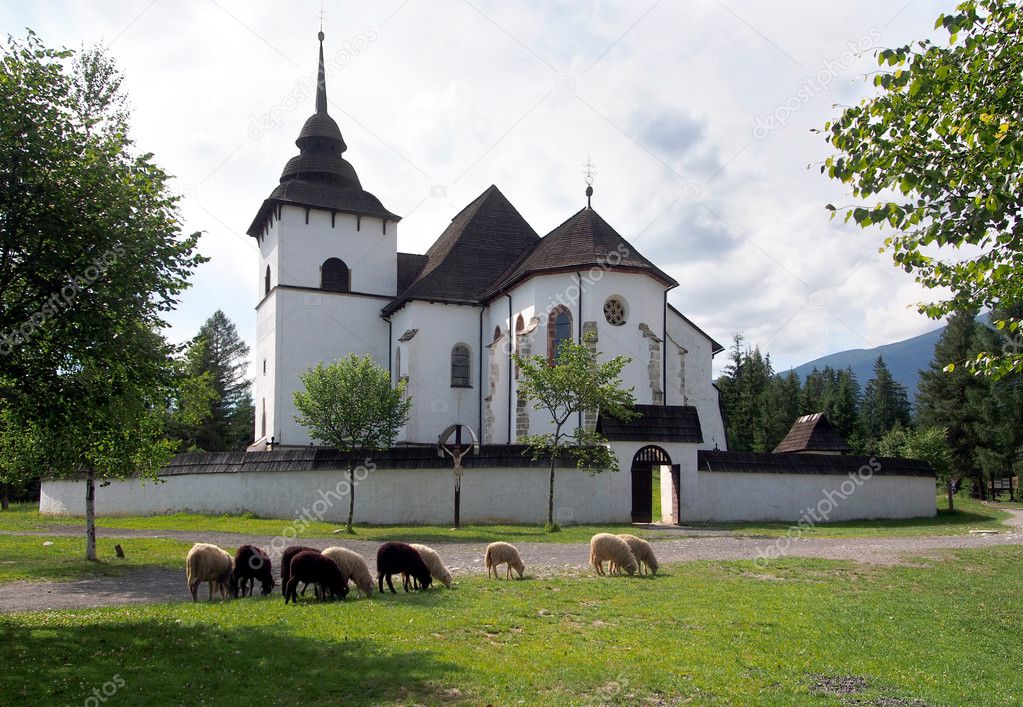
[[208, 563], [310, 567], [401, 558], [503, 553], [433, 562], [250, 564], [608, 547], [286, 557], [642, 551], [353, 566]]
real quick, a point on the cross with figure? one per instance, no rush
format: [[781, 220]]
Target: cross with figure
[[457, 451]]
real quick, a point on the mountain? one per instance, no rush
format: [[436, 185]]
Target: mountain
[[905, 359]]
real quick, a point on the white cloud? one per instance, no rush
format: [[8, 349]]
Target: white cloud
[[664, 97]]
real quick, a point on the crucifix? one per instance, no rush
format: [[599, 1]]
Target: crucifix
[[457, 451]]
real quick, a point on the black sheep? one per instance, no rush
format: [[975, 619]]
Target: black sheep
[[401, 558], [286, 558], [310, 567], [250, 564]]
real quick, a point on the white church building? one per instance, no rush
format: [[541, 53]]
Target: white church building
[[333, 282]]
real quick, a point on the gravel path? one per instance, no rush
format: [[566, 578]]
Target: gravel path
[[155, 584]]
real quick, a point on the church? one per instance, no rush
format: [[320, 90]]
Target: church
[[447, 323]]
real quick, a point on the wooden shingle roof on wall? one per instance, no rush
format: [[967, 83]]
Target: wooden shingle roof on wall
[[764, 463], [321, 458], [813, 433], [656, 423]]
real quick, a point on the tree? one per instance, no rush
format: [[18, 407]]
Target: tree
[[91, 256], [746, 392], [885, 404], [350, 405], [943, 137], [929, 444], [786, 394], [576, 383], [837, 395], [946, 399], [218, 354]]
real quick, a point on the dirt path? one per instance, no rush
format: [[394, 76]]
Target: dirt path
[[155, 584]]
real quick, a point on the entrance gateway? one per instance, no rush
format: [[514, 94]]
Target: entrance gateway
[[647, 462]]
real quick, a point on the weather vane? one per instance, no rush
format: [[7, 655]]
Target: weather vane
[[589, 172]]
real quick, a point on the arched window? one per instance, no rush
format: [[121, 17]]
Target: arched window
[[497, 333], [460, 367], [516, 343], [559, 330], [334, 276], [266, 281]]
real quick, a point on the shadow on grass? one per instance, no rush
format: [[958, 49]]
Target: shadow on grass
[[164, 662]]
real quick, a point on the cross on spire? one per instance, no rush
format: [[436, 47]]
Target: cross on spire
[[589, 172]]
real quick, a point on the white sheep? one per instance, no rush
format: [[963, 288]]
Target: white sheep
[[642, 551], [352, 565], [437, 569], [605, 547], [501, 553], [208, 563]]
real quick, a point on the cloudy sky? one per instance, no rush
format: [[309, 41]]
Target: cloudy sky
[[697, 115]]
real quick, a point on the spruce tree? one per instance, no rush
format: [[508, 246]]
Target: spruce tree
[[885, 405], [947, 397]]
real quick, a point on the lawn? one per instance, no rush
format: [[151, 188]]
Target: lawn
[[62, 558], [797, 632]]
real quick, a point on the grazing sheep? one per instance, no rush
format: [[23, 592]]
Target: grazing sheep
[[286, 557], [250, 564], [433, 561], [605, 547], [401, 558], [208, 563], [503, 553], [642, 551], [310, 567], [353, 566]]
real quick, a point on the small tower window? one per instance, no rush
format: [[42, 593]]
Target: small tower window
[[266, 281], [335, 276], [559, 330], [460, 367]]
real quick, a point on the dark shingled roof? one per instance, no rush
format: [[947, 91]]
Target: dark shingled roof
[[656, 423], [583, 241], [762, 462], [409, 266], [813, 433], [321, 458], [479, 244], [319, 177]]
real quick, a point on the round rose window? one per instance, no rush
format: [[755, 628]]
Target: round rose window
[[615, 311]]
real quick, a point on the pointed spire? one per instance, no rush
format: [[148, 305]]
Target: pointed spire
[[321, 79]]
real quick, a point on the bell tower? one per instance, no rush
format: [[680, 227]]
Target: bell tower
[[327, 266]]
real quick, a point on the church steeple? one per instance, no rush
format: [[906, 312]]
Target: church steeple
[[319, 176], [321, 81]]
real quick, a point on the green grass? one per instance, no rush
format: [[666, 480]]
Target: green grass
[[63, 559], [944, 632], [24, 517]]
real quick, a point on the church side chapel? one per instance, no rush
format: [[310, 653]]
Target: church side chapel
[[447, 322]]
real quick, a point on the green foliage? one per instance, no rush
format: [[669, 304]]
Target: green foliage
[[93, 256], [943, 135], [577, 383], [885, 405], [350, 405], [929, 444], [216, 389]]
